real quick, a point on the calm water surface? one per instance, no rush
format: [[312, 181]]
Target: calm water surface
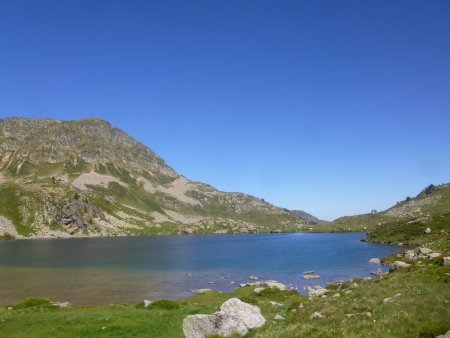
[[129, 269]]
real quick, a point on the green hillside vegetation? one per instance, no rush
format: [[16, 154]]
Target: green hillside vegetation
[[415, 221]]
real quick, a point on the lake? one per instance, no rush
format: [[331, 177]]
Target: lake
[[98, 271]]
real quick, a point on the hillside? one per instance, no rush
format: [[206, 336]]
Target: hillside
[[307, 217], [414, 221], [87, 178]]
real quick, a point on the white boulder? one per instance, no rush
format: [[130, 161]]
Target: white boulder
[[234, 317], [278, 317], [399, 264], [432, 255], [425, 251]]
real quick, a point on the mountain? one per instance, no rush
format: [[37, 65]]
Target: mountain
[[87, 178], [417, 220], [307, 217]]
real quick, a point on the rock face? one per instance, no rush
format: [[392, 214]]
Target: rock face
[[234, 317]]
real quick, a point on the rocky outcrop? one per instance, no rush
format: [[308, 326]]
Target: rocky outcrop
[[77, 214], [315, 291], [273, 284], [234, 318]]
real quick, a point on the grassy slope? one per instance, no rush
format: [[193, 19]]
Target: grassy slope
[[408, 229]]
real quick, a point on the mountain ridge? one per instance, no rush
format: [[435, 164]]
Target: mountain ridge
[[88, 178]]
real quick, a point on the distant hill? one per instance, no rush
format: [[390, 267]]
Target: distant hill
[[414, 221], [307, 217], [88, 178]]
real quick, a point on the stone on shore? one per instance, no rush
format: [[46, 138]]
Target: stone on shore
[[425, 251], [399, 265], [273, 284], [200, 291], [432, 255], [61, 305], [375, 261], [234, 317], [315, 291]]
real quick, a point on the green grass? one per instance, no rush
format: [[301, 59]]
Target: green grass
[[12, 199], [77, 167], [132, 195], [408, 229], [420, 308], [34, 304]]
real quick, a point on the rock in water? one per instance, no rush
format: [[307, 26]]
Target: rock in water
[[311, 276], [234, 317], [375, 261]]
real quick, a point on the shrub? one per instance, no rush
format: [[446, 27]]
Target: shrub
[[165, 304], [33, 303]]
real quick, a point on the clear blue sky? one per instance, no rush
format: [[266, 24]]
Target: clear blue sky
[[333, 107]]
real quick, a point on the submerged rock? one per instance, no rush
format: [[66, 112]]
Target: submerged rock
[[200, 291], [234, 317], [311, 276]]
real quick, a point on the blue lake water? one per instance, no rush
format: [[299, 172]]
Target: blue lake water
[[130, 269]]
